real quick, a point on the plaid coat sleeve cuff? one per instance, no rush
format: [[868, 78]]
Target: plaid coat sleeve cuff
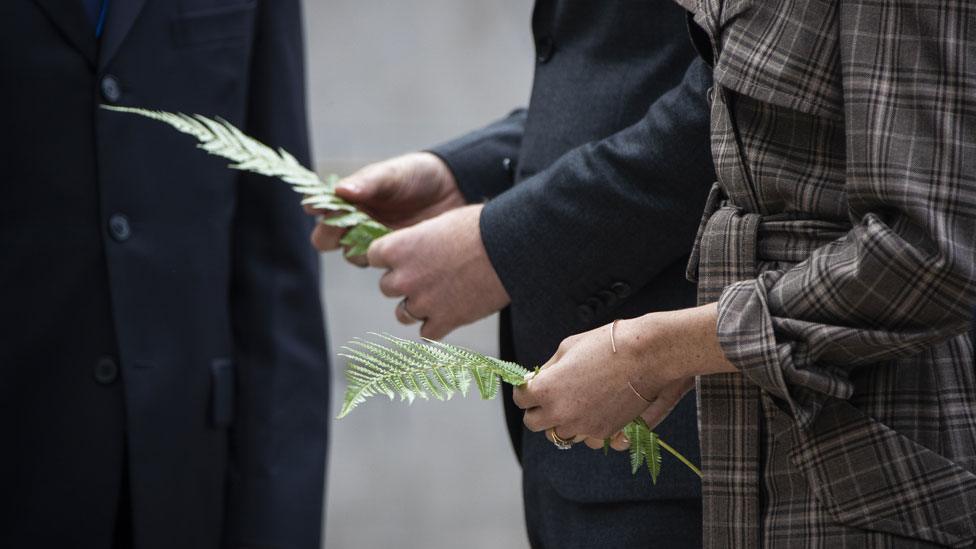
[[780, 366]]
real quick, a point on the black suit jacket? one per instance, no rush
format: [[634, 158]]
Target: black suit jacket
[[596, 191], [159, 313]]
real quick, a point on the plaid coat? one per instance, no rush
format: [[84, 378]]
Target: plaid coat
[[839, 244]]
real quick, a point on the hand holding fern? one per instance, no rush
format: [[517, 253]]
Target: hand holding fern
[[398, 192], [583, 389], [441, 268]]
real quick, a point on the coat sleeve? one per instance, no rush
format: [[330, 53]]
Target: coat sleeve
[[484, 161], [279, 436], [623, 208], [904, 277]]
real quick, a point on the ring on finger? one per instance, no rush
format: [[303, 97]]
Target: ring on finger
[[403, 307], [559, 442]]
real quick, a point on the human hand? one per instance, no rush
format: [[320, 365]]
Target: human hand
[[582, 391], [588, 391], [442, 271], [398, 192], [656, 412]]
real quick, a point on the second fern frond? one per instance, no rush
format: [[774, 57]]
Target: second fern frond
[[411, 369]]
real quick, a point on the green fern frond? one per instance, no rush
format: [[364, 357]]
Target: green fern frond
[[412, 369], [221, 138], [644, 448]]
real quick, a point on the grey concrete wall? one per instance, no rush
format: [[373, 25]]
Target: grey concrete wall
[[392, 76], [389, 77]]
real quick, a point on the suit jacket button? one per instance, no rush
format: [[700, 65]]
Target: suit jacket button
[[544, 49], [508, 167], [609, 298], [622, 289], [111, 89], [118, 227], [585, 313], [106, 370]]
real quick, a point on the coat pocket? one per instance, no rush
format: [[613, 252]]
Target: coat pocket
[[223, 389], [214, 26], [870, 477]]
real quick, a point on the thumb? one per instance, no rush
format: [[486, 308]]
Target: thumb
[[378, 253], [370, 183]]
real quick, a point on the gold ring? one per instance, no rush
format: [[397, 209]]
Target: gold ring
[[403, 307], [561, 443]]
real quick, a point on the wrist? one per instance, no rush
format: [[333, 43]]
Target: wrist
[[645, 344], [674, 345], [449, 190]]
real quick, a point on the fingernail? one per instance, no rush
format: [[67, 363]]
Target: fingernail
[[349, 187]]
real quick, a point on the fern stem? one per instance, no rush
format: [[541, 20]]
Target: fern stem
[[680, 457]]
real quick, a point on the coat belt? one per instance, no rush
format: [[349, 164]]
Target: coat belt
[[732, 242]]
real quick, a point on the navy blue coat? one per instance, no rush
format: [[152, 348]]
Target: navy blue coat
[[596, 191], [162, 347]]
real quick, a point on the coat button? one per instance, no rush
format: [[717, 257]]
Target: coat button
[[111, 89], [544, 49], [609, 298], [106, 370], [509, 167], [585, 313], [622, 289], [118, 227]]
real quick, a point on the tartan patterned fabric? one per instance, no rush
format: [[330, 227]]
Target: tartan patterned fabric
[[840, 244]]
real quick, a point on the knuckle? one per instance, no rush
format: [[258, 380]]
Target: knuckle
[[323, 239], [420, 303], [563, 346], [390, 284], [517, 397], [314, 239], [357, 260], [430, 331], [540, 388], [374, 254], [380, 178], [595, 430], [401, 317]]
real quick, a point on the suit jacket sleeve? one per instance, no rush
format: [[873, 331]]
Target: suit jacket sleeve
[[623, 208], [483, 161], [279, 437]]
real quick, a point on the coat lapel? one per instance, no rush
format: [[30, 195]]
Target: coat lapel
[[122, 15], [70, 18]]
